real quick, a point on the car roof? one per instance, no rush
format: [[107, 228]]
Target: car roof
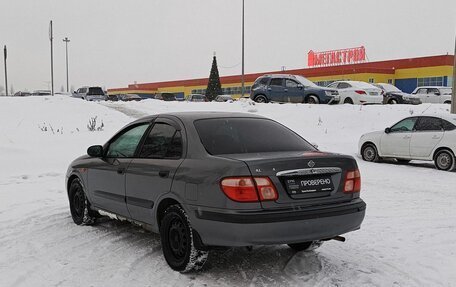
[[432, 87], [193, 116], [448, 117]]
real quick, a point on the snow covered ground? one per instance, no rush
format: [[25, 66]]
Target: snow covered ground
[[407, 239]]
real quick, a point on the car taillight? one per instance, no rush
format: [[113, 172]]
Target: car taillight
[[352, 182], [249, 189], [361, 92], [266, 189]]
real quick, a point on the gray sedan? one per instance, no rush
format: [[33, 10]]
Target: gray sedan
[[208, 179]]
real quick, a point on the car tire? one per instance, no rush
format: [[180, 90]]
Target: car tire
[[445, 160], [80, 205], [305, 246], [369, 153], [261, 99], [312, 100], [348, 101], [393, 102], [176, 235]]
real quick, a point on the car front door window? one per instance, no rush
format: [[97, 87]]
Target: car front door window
[[124, 146], [406, 125]]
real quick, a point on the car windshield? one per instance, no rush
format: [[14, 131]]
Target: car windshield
[[445, 91], [389, 88], [305, 81], [248, 135]]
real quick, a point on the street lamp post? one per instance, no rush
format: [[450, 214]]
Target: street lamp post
[[242, 77], [6, 72], [453, 97], [51, 38], [66, 40]]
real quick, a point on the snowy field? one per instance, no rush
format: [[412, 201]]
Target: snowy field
[[408, 237]]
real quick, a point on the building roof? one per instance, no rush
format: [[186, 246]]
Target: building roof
[[379, 67]]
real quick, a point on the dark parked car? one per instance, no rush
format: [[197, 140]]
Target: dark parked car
[[392, 95], [197, 98], [129, 97], [41, 93], [22, 94], [112, 98], [168, 97], [213, 179], [291, 89]]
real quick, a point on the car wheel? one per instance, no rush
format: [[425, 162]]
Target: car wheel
[[348, 101], [305, 246], [313, 100], [369, 153], [79, 205], [444, 160], [402, 161], [177, 241], [393, 102], [261, 99]]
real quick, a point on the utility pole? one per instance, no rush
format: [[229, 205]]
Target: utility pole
[[66, 40], [6, 72], [453, 97], [51, 38], [242, 77]]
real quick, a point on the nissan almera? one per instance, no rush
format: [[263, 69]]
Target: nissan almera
[[210, 179]]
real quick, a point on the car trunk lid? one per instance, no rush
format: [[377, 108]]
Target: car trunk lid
[[301, 178]]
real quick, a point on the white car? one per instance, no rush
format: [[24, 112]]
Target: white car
[[359, 93], [433, 94], [426, 137]]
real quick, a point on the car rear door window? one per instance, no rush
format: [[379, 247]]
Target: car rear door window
[[248, 135], [276, 82], [429, 124], [406, 125], [163, 142], [291, 84], [125, 144], [343, 86]]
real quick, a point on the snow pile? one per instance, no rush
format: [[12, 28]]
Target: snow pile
[[408, 237]]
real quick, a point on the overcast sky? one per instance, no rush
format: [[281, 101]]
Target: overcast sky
[[114, 43]]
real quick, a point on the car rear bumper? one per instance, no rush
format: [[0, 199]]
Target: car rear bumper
[[240, 228]]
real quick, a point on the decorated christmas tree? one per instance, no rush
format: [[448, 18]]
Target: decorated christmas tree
[[214, 88]]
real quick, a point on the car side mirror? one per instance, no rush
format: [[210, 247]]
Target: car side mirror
[[437, 93], [314, 145], [387, 130], [300, 86], [95, 151]]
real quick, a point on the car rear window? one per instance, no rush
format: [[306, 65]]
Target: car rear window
[[95, 91], [248, 135]]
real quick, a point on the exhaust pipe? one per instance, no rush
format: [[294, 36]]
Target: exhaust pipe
[[337, 238]]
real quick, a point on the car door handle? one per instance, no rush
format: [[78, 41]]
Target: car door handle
[[163, 173], [286, 90], [435, 137], [120, 170], [269, 89], [406, 137]]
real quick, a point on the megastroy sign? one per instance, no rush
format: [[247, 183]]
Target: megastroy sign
[[336, 57]]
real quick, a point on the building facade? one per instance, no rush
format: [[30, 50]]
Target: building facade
[[406, 74]]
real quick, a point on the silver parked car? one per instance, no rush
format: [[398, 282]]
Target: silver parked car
[[90, 94]]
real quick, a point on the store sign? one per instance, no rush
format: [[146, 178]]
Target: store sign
[[336, 57]]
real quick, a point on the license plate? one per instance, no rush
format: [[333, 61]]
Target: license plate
[[309, 184]]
